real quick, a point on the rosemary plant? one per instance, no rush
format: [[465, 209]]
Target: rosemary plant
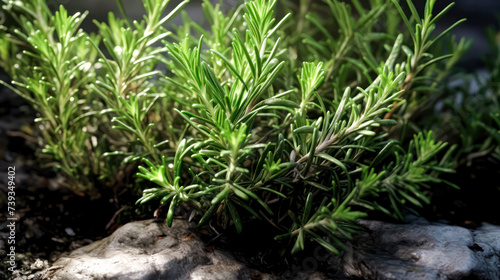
[[52, 69], [80, 93], [283, 119], [472, 115], [296, 154]]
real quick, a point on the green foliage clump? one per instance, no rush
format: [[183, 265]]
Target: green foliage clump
[[300, 121], [470, 114]]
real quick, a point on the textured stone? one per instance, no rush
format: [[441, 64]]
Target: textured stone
[[424, 250], [149, 250], [417, 250]]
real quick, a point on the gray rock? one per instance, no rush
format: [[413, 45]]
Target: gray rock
[[149, 250], [488, 234], [417, 250], [424, 250]]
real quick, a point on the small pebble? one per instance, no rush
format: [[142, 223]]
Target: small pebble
[[69, 231], [38, 264]]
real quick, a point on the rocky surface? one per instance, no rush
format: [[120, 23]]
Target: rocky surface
[[424, 250], [417, 250], [150, 250]]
